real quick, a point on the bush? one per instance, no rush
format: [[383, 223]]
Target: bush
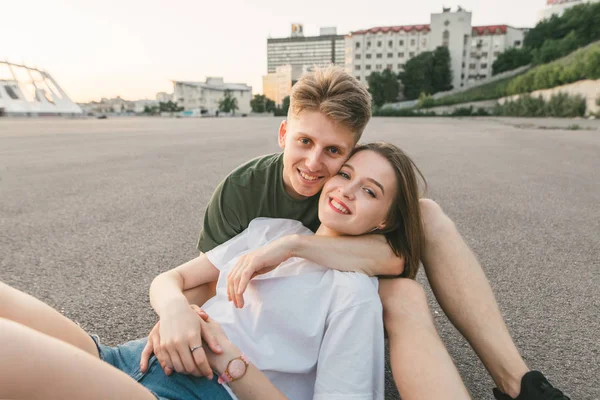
[[425, 101], [469, 111], [403, 112], [560, 105]]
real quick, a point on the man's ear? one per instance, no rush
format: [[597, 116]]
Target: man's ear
[[282, 133]]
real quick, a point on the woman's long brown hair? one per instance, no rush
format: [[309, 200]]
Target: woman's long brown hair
[[404, 229]]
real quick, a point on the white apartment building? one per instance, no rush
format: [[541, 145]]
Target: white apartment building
[[202, 98], [382, 48], [301, 51], [391, 47], [278, 85]]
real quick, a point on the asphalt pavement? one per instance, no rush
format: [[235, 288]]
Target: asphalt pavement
[[92, 210]]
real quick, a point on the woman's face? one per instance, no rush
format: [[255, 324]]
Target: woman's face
[[357, 200]]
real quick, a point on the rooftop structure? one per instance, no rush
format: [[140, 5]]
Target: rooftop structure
[[26, 91]]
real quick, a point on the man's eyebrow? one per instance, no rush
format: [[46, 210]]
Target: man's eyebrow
[[369, 179]]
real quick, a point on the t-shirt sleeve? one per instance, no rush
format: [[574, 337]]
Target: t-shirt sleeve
[[351, 359], [222, 254], [222, 219]]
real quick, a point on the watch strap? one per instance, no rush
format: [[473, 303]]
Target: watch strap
[[226, 376]]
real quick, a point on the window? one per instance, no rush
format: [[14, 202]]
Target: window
[[411, 54], [483, 65], [378, 66], [400, 66], [357, 67], [517, 43], [378, 55], [368, 56], [401, 54], [358, 78], [11, 93], [379, 43], [368, 44], [357, 56], [483, 76], [390, 55], [401, 43], [472, 66], [390, 43], [368, 67], [358, 45], [446, 38], [473, 54], [496, 53], [463, 64], [412, 42], [484, 54]]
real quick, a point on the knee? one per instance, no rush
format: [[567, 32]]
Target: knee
[[403, 297], [435, 222]]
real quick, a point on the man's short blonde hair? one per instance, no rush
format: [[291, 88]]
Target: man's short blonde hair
[[335, 93]]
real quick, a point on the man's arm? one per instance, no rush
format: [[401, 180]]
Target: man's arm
[[369, 254]]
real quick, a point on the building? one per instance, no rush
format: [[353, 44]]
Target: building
[[278, 85], [202, 98], [301, 51], [558, 7], [382, 48], [163, 97], [473, 49], [26, 91]]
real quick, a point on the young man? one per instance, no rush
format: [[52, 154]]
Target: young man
[[329, 110]]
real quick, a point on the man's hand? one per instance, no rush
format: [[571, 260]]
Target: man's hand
[[257, 262], [176, 355]]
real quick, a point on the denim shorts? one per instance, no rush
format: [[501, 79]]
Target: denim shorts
[[126, 357]]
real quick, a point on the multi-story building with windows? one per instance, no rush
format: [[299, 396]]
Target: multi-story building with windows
[[202, 98], [558, 7], [473, 49], [278, 85], [304, 51]]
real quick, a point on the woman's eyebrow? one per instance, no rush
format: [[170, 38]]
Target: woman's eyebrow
[[369, 179]]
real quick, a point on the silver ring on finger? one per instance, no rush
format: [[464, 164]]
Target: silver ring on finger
[[195, 348]]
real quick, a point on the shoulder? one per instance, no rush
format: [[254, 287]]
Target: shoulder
[[256, 169]]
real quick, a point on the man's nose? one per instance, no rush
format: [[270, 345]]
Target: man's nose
[[313, 161]]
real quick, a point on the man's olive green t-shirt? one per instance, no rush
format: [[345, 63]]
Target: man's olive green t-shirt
[[253, 190]]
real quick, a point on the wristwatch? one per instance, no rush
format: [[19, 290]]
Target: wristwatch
[[236, 368]]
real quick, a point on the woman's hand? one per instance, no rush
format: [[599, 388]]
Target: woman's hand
[[172, 340], [218, 361], [257, 262]]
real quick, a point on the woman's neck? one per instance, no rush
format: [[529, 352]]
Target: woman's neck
[[326, 231]]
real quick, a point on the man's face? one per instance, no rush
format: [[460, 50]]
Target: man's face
[[314, 149]]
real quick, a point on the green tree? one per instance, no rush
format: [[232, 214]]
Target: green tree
[[228, 103], [261, 103], [269, 105], [258, 103], [429, 73], [283, 110], [511, 59], [169, 106], [441, 70], [384, 87]]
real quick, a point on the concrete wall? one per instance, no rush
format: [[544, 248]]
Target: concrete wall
[[589, 89]]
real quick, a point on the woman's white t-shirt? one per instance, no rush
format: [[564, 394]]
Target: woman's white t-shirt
[[316, 333]]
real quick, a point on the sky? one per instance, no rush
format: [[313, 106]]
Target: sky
[[134, 48]]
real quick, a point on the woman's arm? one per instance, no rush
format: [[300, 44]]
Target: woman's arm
[[254, 385], [179, 329]]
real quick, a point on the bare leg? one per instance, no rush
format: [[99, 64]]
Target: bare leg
[[37, 366], [464, 293], [33, 313], [422, 367]]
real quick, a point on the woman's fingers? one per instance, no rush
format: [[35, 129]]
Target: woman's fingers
[[201, 362], [187, 358], [146, 354]]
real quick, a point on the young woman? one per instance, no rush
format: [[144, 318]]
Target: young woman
[[305, 332]]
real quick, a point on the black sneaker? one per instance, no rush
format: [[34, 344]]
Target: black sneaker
[[534, 386]]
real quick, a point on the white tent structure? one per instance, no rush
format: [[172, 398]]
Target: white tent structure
[[28, 91]]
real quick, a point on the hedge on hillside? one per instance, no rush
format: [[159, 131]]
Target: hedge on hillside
[[560, 105]]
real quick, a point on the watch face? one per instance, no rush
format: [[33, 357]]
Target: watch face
[[237, 368]]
